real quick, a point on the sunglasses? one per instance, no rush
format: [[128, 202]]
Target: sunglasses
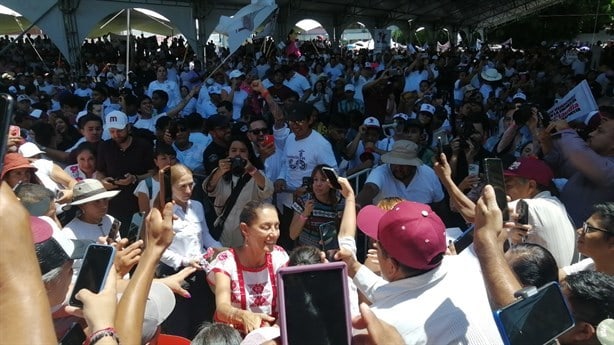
[[587, 229], [258, 131]]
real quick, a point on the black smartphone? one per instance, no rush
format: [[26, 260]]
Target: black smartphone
[[114, 231], [6, 116], [537, 318], [166, 191], [522, 210], [74, 336], [464, 240], [136, 227], [309, 314], [97, 263], [493, 168], [332, 177], [307, 182], [439, 149]]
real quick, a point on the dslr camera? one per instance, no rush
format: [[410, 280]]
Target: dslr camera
[[237, 165]]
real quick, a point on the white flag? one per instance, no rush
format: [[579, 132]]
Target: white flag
[[242, 25], [576, 104]]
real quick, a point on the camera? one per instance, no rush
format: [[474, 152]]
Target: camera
[[237, 165]]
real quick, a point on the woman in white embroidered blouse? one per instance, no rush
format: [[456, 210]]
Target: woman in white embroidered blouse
[[244, 277]]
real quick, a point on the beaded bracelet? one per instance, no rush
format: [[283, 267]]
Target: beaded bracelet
[[99, 334]]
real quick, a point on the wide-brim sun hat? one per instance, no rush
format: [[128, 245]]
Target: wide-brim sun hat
[[491, 74], [89, 190], [404, 152]]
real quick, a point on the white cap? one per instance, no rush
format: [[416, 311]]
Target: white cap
[[235, 74], [36, 113], [371, 122], [116, 119], [29, 150], [427, 108], [23, 98], [349, 87], [520, 95]]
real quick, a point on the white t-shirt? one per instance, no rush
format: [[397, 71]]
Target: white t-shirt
[[424, 187], [413, 79], [298, 84], [300, 157], [552, 227], [43, 173], [238, 100], [191, 157], [142, 188], [149, 124]]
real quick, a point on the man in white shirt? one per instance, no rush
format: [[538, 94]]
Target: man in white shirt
[[296, 82], [303, 150], [549, 225], [403, 176], [429, 297]]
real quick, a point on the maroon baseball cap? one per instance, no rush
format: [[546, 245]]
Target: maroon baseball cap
[[411, 233], [531, 168]]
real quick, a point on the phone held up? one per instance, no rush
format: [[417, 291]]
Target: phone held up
[[332, 177], [166, 191], [97, 263], [493, 168]]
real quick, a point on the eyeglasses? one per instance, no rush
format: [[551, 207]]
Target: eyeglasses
[[258, 131], [297, 122], [587, 229]]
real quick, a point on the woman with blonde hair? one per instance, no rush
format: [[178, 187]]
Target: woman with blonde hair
[[186, 250]]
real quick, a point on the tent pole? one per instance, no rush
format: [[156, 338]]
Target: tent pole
[[18, 38], [128, 45]]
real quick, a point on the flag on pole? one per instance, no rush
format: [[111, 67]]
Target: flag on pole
[[241, 26], [576, 105]]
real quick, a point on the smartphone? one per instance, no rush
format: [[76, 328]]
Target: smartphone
[[166, 191], [494, 176], [439, 149], [97, 263], [74, 336], [310, 314], [307, 182], [464, 240], [6, 116], [136, 227], [522, 210], [535, 319], [113, 232], [268, 139], [332, 177]]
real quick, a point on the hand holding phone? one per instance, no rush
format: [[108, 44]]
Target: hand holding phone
[[94, 271], [113, 231], [166, 191], [493, 168], [332, 177]]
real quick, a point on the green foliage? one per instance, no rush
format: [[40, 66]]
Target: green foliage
[[560, 22]]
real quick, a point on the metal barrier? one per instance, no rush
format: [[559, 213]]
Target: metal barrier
[[357, 180]]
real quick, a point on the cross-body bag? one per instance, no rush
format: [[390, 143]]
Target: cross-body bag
[[218, 225]]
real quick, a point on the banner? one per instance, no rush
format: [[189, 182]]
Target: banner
[[242, 25], [381, 38], [507, 43], [576, 104]]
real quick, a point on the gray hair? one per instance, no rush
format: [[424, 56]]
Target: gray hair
[[216, 334], [51, 276]]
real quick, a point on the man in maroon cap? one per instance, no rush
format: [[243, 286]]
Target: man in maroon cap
[[427, 296], [548, 223]]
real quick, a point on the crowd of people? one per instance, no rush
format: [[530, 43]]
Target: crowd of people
[[247, 140]]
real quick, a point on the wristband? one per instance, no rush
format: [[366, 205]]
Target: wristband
[[303, 218], [99, 334]]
